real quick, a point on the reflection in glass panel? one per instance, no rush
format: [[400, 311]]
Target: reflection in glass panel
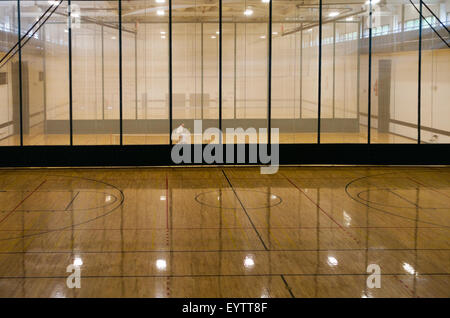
[[435, 110], [340, 107], [95, 62], [295, 70], [45, 76], [246, 27], [9, 76], [195, 32], [145, 72], [395, 59]]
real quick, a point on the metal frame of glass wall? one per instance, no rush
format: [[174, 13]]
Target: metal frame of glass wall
[[318, 153]]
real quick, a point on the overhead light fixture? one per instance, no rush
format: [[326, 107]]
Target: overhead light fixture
[[265, 1], [213, 36], [373, 1], [275, 33], [160, 12], [262, 37], [248, 12], [53, 2], [217, 32], [163, 32], [160, 1], [333, 14], [163, 37], [349, 19]]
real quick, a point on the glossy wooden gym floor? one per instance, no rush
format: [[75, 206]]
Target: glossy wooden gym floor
[[225, 232]]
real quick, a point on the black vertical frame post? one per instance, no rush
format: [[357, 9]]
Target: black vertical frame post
[[170, 73], [419, 86], [319, 98], [334, 70], [220, 69], [369, 101], [269, 77], [120, 73], [69, 9], [103, 72], [20, 73]]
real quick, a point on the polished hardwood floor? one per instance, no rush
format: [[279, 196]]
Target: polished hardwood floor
[[225, 232]]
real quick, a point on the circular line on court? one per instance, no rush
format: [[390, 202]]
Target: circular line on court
[[365, 203], [120, 203]]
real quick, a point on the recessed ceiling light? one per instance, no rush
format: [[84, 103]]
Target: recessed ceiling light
[[333, 14], [160, 1], [265, 1], [373, 1], [262, 37], [349, 19], [160, 12], [213, 36], [163, 32]]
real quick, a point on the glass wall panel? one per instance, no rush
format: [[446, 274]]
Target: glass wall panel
[[146, 72], [249, 54], [45, 77], [9, 76], [435, 110], [341, 40], [95, 62], [395, 58], [195, 65], [295, 70]]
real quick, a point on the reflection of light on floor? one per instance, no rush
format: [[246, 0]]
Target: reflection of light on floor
[[58, 292], [78, 261], [347, 219], [409, 268], [161, 264], [249, 262], [332, 261]]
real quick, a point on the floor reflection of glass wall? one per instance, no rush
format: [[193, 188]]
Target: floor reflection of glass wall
[[248, 57], [146, 72], [340, 77], [9, 77], [435, 110], [195, 64], [95, 60], [45, 76], [394, 73]]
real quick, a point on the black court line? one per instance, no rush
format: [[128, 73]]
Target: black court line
[[245, 211], [71, 201], [404, 199], [221, 275], [287, 286], [371, 249]]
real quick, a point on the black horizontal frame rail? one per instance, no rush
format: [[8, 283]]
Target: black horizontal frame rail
[[27, 35], [160, 155]]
